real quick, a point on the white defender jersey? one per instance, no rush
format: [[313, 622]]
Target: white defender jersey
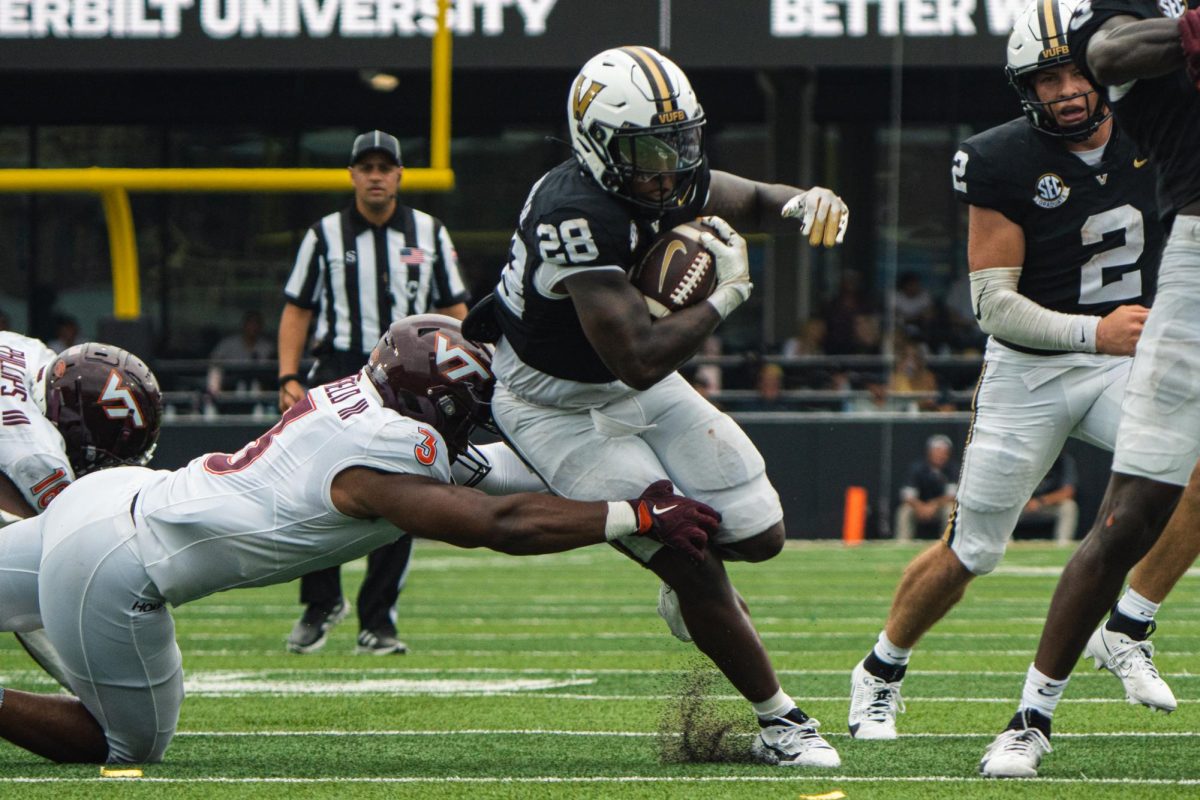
[[32, 453], [264, 514]]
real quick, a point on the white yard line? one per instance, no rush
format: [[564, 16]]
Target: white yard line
[[622, 779]]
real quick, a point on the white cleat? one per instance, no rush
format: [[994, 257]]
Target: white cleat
[[668, 609], [787, 743], [1131, 661], [1015, 754], [874, 704]]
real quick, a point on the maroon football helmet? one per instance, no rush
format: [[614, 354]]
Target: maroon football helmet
[[106, 404], [424, 368]]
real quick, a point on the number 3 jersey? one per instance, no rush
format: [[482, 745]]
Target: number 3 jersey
[[265, 514], [1092, 233], [569, 225], [32, 453]]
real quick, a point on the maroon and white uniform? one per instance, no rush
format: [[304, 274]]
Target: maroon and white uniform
[[128, 541]]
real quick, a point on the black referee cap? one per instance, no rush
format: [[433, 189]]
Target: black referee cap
[[375, 141]]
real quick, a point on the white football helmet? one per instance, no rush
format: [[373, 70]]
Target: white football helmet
[[637, 127], [1038, 41]]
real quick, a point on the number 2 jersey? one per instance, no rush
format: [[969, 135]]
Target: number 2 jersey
[[1092, 233], [32, 453], [569, 225], [265, 514]]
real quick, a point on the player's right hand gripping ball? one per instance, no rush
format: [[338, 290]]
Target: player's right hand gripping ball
[[677, 271], [1189, 38], [674, 520]]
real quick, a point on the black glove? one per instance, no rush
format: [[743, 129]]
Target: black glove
[[674, 520], [1189, 37]]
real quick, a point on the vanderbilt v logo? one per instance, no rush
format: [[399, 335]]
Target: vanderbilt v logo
[[1102, 179], [580, 99]]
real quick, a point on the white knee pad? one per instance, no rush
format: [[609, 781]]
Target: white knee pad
[[979, 540]]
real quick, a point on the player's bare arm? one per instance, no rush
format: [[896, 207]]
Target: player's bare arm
[[1126, 49], [520, 524], [995, 249], [746, 203], [639, 351], [293, 330]]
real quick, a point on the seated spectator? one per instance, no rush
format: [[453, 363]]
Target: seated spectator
[[845, 331], [1053, 503], [247, 346], [912, 374], [66, 333], [914, 306], [928, 494], [769, 386], [709, 375], [808, 341]]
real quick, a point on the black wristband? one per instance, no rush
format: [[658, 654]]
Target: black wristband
[[284, 380]]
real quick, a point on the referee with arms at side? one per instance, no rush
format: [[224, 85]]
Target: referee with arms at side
[[359, 270]]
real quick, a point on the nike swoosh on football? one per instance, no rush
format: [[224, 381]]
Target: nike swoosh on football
[[658, 510]]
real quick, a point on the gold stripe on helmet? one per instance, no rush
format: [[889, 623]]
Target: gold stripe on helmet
[[1051, 25], [655, 74]]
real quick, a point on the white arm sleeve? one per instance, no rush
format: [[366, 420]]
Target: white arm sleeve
[[1003, 311]]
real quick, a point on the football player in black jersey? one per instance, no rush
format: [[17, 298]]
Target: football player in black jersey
[[587, 385], [1143, 55], [1063, 245]]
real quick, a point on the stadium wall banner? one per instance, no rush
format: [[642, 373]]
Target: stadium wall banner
[[356, 34]]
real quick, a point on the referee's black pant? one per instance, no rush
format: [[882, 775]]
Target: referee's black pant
[[387, 566]]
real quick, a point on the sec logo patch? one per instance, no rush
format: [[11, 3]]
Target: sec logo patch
[[1051, 191]]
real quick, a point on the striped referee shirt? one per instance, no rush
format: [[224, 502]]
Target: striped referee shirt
[[359, 278]]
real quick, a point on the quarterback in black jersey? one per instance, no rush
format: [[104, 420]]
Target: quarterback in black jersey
[[587, 388], [1063, 244], [1144, 58]]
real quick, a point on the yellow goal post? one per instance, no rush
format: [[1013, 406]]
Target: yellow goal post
[[114, 184]]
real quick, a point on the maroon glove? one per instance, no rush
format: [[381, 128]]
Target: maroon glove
[[1189, 37], [674, 520]]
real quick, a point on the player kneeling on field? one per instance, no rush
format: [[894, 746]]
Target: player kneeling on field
[[355, 464]]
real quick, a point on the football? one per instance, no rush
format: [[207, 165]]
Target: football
[[677, 271]]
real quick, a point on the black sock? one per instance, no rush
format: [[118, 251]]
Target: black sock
[[891, 673], [795, 715], [1136, 629], [1030, 718]]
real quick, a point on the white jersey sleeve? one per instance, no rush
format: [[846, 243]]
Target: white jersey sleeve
[[32, 453]]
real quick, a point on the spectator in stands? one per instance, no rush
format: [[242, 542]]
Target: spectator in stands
[[914, 306], [1053, 502], [248, 346], [66, 333], [912, 375], [928, 493], [707, 377], [809, 339], [769, 388], [844, 317]]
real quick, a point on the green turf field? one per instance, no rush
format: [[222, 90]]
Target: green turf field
[[552, 677]]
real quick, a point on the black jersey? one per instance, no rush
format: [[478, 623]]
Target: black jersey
[[570, 225], [1092, 234], [1161, 114]]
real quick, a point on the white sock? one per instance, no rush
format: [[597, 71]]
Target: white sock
[[1041, 693], [776, 705], [889, 653], [1134, 606]]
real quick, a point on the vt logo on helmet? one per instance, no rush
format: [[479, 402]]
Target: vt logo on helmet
[[425, 369], [106, 403], [637, 127]]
